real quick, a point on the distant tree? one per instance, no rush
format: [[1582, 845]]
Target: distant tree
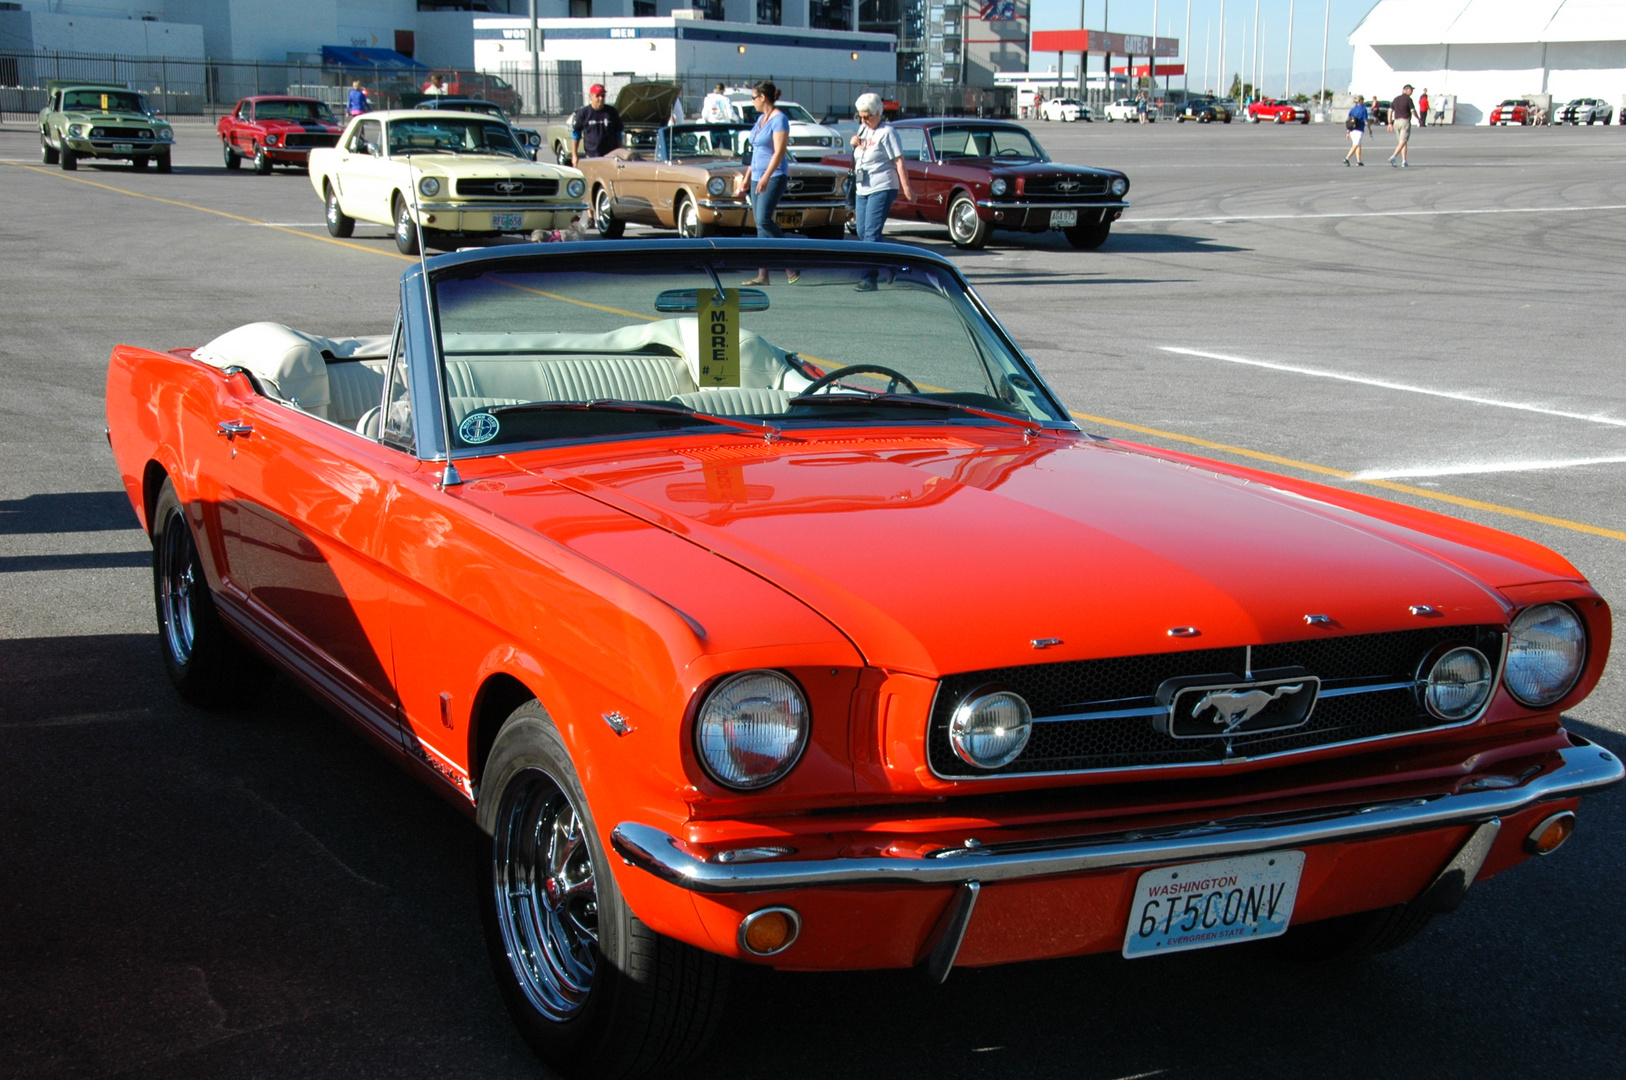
[[1236, 87], [1301, 98]]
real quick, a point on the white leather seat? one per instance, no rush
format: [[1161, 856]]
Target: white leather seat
[[292, 366]]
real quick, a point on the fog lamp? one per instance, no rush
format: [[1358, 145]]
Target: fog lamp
[[1550, 835], [769, 931], [990, 728], [1457, 684]]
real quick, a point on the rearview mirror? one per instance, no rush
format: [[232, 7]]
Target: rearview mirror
[[674, 301]]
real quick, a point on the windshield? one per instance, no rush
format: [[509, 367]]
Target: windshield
[[451, 134], [104, 101], [485, 107], [520, 345], [292, 110], [792, 111], [713, 140], [971, 142]]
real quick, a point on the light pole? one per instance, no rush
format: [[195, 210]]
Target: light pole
[[1151, 61], [1326, 20], [1287, 88], [1225, 91], [1185, 54], [1256, 49], [536, 65]]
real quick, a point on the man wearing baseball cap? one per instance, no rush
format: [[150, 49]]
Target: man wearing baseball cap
[[1401, 111], [595, 130]]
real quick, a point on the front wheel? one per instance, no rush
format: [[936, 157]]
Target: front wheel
[[1088, 237], [408, 241], [262, 162], [228, 156], [68, 159], [605, 223], [48, 154], [966, 229], [164, 163], [339, 223], [139, 162], [592, 989], [689, 224]]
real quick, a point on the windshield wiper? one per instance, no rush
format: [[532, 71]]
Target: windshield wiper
[[918, 401], [768, 431]]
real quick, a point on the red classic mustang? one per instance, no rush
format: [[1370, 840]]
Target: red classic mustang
[[1279, 111], [805, 628], [976, 176], [275, 130]]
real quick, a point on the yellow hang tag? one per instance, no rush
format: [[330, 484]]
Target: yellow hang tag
[[719, 337], [104, 103]]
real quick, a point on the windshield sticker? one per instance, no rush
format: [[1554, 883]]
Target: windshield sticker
[[719, 337], [478, 428]]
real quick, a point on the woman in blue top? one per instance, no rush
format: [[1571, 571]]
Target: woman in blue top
[[770, 166], [358, 99], [1358, 116]]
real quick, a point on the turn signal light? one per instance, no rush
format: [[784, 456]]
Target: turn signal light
[[769, 931], [1550, 835]]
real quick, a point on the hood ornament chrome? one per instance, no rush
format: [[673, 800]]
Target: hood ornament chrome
[[1184, 631], [1318, 620], [1044, 642]]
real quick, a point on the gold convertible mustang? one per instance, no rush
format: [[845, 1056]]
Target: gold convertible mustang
[[694, 181]]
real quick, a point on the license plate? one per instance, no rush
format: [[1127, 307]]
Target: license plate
[[790, 219], [1199, 905], [507, 222], [123, 147], [1063, 219]]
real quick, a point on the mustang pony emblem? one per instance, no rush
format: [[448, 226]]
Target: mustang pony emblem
[[1232, 709], [1069, 186], [510, 187]]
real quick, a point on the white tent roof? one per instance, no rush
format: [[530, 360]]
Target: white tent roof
[[1490, 22]]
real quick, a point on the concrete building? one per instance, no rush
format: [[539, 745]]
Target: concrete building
[[1486, 51]]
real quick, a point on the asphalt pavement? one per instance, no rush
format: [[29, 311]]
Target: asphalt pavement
[[257, 894]]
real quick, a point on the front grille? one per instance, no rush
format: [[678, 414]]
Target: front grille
[[811, 187], [809, 140], [500, 188], [298, 139], [120, 133], [1130, 683], [1059, 186]]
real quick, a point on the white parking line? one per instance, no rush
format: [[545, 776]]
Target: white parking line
[[1375, 214], [1473, 469], [1318, 373]]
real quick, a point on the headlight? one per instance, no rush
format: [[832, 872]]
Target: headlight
[[77, 131], [716, 185], [576, 187], [1119, 186], [1544, 653], [990, 728], [998, 187], [1457, 684], [429, 187], [533, 139], [270, 140], [751, 729], [832, 140]]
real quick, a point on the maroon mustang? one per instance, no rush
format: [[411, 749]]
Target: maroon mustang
[[976, 176], [276, 130]]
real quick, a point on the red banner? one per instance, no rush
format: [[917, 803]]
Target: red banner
[[1065, 41]]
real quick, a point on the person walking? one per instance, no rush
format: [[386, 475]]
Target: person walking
[[1422, 108], [436, 86], [1401, 111], [595, 130], [358, 99], [1356, 125], [770, 167], [878, 173], [717, 109], [1140, 108]]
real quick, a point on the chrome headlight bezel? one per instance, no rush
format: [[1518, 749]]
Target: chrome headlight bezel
[[1527, 639], [721, 750], [576, 187], [76, 131], [970, 722], [716, 186], [429, 187], [1000, 185], [271, 139], [1441, 675], [1120, 187]]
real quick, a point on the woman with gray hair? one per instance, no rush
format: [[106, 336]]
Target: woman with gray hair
[[878, 172]]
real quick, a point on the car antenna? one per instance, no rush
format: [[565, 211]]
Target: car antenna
[[449, 476]]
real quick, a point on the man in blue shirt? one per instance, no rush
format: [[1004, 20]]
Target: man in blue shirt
[[595, 130], [1358, 116]]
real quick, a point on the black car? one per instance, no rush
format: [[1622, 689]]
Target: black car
[[1204, 110], [530, 139]]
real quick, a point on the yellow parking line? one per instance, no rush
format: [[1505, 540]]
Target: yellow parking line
[[1342, 474]]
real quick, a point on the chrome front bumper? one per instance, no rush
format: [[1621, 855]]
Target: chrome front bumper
[[994, 204], [1584, 768]]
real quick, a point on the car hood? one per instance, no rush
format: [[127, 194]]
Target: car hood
[[936, 554], [1047, 170], [482, 166], [646, 102], [95, 117], [327, 127]]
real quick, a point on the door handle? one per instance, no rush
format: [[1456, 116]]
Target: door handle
[[233, 430]]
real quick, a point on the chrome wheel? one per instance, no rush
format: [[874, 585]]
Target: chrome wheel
[[176, 580], [407, 239], [546, 900], [966, 229], [338, 222], [604, 216], [689, 223]]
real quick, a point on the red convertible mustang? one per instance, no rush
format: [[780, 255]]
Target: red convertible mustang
[[1279, 111], [976, 176], [275, 130], [745, 637]]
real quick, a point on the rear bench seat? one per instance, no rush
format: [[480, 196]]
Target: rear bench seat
[[337, 379]]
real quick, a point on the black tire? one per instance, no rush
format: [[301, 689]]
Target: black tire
[[561, 153], [339, 223], [262, 162], [1179, 119], [1351, 937], [827, 232], [966, 229], [1088, 237], [618, 999], [48, 154], [139, 162], [228, 156], [208, 666], [1227, 119], [408, 240], [605, 222], [164, 164], [68, 159]]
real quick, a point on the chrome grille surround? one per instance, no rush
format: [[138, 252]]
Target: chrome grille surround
[[503, 188]]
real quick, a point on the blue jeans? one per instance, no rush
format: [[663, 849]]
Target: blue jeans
[[765, 203], [872, 211]]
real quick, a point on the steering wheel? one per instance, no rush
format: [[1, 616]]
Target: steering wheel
[[896, 377], [1010, 151]]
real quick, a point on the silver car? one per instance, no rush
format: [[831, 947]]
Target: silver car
[[1584, 111]]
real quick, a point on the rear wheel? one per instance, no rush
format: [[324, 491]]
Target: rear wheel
[[262, 162], [68, 159], [407, 239], [228, 156], [208, 666], [966, 229], [48, 154], [689, 223], [1088, 237], [592, 989], [338, 222], [604, 220]]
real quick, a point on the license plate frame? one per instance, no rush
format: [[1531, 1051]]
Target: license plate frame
[[123, 148], [1063, 219], [788, 219], [508, 222], [1217, 902]]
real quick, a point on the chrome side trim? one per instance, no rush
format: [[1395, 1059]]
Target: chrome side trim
[[1447, 891], [786, 204], [950, 932], [992, 204], [1584, 768]]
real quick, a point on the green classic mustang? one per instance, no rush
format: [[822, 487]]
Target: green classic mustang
[[97, 120]]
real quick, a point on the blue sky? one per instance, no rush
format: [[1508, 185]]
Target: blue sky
[[1135, 17]]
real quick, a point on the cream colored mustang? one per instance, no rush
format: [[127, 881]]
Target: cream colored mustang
[[439, 171]]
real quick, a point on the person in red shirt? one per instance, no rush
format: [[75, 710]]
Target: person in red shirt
[[1422, 108]]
